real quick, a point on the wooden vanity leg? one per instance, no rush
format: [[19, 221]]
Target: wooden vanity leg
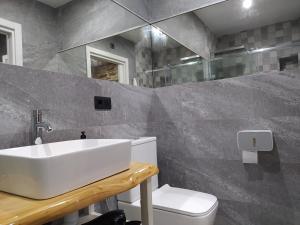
[[146, 202]]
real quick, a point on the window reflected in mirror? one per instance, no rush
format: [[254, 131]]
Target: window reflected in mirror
[[144, 57], [103, 69], [3, 48]]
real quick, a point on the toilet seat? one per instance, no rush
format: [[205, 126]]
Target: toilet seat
[[176, 206], [182, 201]]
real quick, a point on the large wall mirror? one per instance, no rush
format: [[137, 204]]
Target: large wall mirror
[[143, 56], [151, 43]]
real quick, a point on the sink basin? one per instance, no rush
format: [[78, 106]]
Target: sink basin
[[47, 170]]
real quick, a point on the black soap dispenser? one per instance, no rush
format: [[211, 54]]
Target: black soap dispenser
[[83, 136]]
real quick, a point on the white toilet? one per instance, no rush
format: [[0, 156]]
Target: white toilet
[[171, 206]]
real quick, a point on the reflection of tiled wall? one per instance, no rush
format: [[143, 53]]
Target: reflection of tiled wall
[[232, 66], [191, 32], [178, 75], [266, 36], [263, 37], [145, 59], [170, 56], [143, 62]]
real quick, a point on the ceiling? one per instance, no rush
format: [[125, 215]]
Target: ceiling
[[230, 17], [55, 3]]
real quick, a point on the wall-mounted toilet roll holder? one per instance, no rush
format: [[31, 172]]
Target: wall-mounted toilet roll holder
[[250, 142]]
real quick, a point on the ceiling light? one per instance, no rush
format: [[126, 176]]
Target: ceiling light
[[157, 33], [247, 4], [158, 37], [190, 57]]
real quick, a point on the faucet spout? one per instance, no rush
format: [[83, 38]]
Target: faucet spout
[[39, 126], [45, 126]]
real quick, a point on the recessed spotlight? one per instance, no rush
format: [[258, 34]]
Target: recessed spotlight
[[247, 4], [157, 35]]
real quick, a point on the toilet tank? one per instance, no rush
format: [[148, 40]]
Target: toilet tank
[[142, 150]]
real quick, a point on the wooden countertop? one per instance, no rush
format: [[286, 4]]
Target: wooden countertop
[[16, 210]]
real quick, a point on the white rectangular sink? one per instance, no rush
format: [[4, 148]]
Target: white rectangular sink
[[47, 170]]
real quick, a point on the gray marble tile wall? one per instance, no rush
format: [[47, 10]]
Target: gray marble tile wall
[[39, 25], [91, 20], [68, 104], [196, 125]]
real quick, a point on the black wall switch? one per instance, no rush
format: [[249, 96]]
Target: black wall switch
[[102, 103]]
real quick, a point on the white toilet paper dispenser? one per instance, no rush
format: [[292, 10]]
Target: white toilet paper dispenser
[[253, 141]]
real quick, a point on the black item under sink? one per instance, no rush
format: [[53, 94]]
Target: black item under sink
[[134, 223], [116, 217]]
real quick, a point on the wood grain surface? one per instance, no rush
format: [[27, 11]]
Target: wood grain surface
[[16, 210]]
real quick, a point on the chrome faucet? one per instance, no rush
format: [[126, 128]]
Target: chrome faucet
[[38, 126]]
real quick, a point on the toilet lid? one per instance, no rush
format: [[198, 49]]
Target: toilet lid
[[182, 201]]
